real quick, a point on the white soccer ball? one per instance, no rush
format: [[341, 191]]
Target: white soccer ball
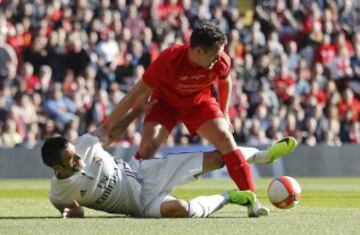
[[284, 192]]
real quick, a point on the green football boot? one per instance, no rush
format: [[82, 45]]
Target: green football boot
[[281, 148], [248, 199], [243, 198]]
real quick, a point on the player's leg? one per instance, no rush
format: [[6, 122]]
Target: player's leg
[[201, 206], [281, 148], [216, 131], [250, 154], [272, 153], [177, 169], [176, 208], [167, 206], [208, 121], [213, 160], [153, 135], [158, 123]]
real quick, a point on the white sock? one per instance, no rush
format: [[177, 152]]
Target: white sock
[[254, 155], [204, 206]]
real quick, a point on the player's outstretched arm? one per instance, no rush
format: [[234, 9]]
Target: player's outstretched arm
[[107, 137], [131, 98]]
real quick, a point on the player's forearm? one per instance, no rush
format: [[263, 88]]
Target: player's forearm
[[107, 136], [225, 94], [122, 125], [122, 107], [140, 89]]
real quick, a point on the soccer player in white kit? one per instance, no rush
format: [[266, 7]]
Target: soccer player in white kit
[[88, 176]]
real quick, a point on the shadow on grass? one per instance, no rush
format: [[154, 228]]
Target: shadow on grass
[[57, 217], [109, 217]]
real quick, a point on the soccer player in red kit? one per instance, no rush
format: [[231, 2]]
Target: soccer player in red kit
[[182, 79]]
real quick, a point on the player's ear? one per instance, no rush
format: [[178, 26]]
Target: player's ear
[[198, 50]]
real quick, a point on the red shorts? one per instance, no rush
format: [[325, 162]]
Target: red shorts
[[193, 117]]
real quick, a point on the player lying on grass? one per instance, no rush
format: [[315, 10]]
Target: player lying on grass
[[87, 175]]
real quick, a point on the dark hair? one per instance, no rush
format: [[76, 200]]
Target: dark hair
[[206, 35], [52, 150]]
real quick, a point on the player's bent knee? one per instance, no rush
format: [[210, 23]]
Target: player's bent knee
[[219, 162], [147, 150], [224, 141], [174, 209]]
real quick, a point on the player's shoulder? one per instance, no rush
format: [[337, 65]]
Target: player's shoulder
[[86, 141], [223, 65], [225, 60], [175, 52]]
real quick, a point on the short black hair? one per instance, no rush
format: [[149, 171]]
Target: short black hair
[[52, 150], [206, 35]]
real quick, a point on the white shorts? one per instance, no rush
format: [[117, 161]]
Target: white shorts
[[161, 175]]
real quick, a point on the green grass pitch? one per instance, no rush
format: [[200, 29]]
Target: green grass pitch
[[328, 206]]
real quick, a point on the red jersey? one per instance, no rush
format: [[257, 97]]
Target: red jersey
[[177, 81]]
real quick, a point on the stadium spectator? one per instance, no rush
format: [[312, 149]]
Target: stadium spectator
[[293, 57], [309, 134], [10, 136], [25, 108], [76, 57], [355, 61], [8, 59], [354, 133], [27, 76], [59, 107], [36, 52], [49, 129], [90, 45], [45, 77], [101, 107], [32, 137], [349, 103], [325, 52]]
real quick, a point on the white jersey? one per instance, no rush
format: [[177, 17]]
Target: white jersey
[[106, 183]]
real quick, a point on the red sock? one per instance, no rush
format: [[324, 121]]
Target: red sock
[[239, 170], [138, 156]]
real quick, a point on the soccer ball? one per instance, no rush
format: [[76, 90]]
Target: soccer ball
[[284, 192]]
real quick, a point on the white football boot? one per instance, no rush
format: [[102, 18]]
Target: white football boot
[[257, 209]]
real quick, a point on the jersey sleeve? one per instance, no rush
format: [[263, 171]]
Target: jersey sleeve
[[224, 66], [59, 202], [154, 71]]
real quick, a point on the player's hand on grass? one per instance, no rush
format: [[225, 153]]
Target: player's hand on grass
[[74, 211]]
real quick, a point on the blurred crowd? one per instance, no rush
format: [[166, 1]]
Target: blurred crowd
[[65, 64]]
